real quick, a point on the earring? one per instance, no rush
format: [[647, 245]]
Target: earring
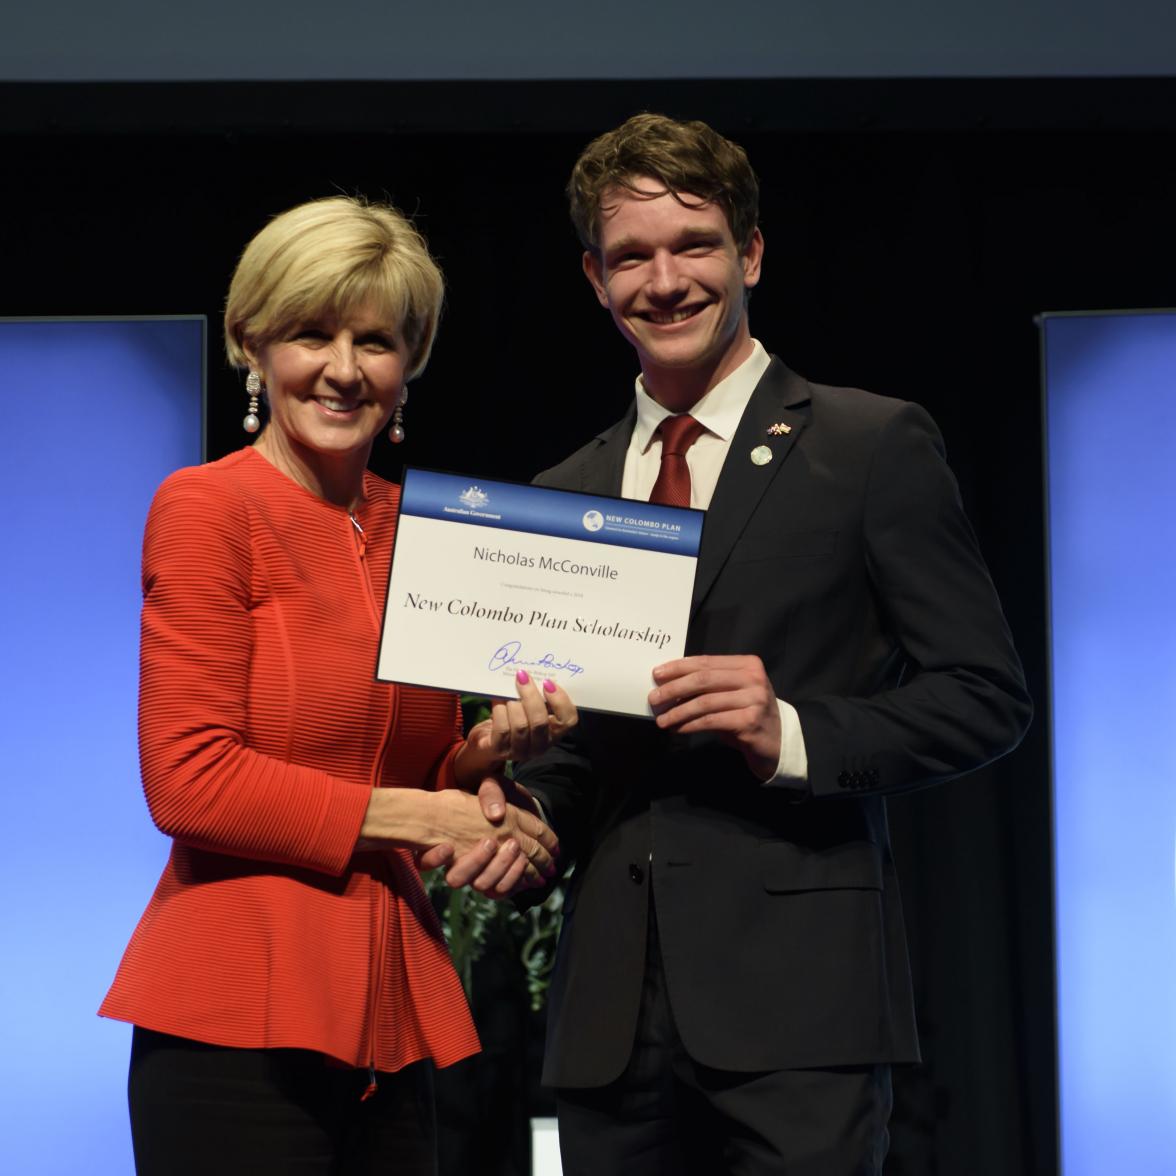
[[396, 432], [252, 421]]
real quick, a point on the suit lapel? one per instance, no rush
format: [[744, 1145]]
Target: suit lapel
[[742, 483], [603, 471]]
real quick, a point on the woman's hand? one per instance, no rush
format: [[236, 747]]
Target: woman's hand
[[516, 730]]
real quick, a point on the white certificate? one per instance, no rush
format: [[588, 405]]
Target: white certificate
[[489, 578]]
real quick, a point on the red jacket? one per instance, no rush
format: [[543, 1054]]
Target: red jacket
[[262, 732]]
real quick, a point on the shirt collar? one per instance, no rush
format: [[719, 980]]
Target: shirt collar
[[719, 411]]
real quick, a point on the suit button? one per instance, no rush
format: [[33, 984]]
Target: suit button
[[843, 779], [636, 873]]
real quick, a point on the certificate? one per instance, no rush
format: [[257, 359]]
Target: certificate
[[489, 578]]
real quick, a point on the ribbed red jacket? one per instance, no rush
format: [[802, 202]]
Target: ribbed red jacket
[[261, 732]]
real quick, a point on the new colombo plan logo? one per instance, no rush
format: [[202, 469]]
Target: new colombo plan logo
[[474, 497], [593, 520]]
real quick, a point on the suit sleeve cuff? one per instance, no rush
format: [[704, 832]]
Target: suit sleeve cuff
[[792, 766]]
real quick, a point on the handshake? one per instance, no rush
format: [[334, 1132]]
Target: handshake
[[500, 843], [513, 848], [497, 840]]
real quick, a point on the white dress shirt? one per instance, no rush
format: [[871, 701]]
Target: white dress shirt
[[719, 411]]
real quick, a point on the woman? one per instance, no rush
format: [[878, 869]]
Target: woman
[[289, 978]]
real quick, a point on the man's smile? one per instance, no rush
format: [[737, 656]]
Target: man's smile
[[669, 317]]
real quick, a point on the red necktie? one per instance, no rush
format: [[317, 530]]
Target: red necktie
[[677, 433]]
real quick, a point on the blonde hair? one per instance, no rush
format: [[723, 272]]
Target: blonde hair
[[327, 258], [685, 157]]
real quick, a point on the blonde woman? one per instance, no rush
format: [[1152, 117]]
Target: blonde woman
[[288, 981]]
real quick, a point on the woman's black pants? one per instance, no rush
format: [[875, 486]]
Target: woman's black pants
[[208, 1110]]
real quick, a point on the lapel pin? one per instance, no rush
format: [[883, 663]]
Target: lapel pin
[[761, 455], [779, 429]]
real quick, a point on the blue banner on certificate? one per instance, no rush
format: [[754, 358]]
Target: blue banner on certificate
[[489, 578]]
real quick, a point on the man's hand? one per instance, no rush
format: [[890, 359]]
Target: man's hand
[[729, 695]]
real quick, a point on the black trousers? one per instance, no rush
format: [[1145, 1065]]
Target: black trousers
[[667, 1115], [208, 1110]]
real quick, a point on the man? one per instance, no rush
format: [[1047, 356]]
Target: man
[[732, 984]]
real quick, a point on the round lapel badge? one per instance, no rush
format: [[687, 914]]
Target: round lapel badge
[[761, 455]]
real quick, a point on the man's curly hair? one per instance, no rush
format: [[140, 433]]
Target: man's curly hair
[[686, 157]]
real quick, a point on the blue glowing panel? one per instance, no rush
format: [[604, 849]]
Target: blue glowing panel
[[1111, 440], [98, 413]]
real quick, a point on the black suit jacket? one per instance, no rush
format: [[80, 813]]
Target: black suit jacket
[[847, 564]]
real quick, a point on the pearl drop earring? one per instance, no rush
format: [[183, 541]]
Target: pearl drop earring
[[396, 432], [252, 421]]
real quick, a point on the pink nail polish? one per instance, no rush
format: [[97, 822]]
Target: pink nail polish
[[522, 677], [549, 685]]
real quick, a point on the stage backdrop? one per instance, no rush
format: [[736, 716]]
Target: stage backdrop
[[66, 40], [1111, 456], [98, 413]]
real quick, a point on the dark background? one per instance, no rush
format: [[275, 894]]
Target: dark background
[[913, 228]]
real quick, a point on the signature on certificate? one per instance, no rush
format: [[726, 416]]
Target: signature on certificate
[[510, 654]]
